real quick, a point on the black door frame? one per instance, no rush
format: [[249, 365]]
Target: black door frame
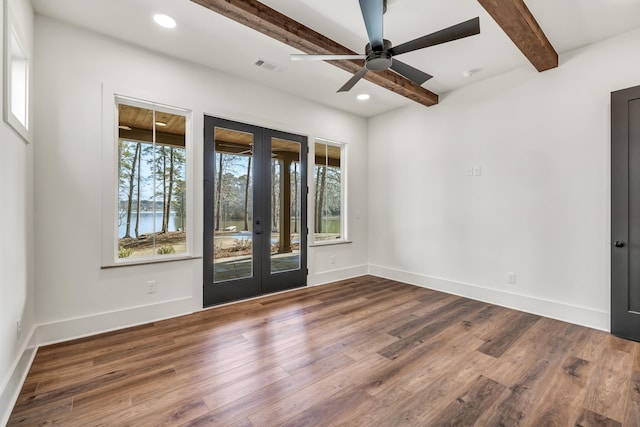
[[262, 281], [625, 322]]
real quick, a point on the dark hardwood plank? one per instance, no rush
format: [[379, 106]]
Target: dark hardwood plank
[[44, 415], [428, 385], [294, 403], [274, 393], [517, 403], [593, 344], [633, 400], [414, 326], [510, 333], [430, 327], [591, 419], [559, 404], [607, 394], [468, 406], [365, 351]]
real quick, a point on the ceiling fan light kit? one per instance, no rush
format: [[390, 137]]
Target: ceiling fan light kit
[[379, 52]]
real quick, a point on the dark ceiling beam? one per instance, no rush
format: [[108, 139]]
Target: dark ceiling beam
[[516, 20], [274, 24]]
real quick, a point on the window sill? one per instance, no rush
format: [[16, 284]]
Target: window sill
[[149, 261], [330, 243]]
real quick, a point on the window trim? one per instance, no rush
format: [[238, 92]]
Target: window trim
[[110, 259], [344, 231], [13, 33]]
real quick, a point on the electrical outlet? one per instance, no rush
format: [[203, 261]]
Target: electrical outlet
[[477, 170], [333, 259], [18, 329], [511, 278], [468, 171], [152, 287]]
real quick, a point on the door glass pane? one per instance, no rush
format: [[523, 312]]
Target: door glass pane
[[233, 211], [285, 205]]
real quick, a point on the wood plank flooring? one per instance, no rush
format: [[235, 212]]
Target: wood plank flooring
[[361, 352]]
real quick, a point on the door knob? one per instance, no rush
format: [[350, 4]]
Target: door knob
[[619, 244]]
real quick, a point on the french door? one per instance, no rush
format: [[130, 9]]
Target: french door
[[255, 217]]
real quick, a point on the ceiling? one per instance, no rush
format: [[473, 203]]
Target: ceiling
[[207, 38]]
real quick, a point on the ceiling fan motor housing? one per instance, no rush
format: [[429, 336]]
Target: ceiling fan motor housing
[[378, 59]]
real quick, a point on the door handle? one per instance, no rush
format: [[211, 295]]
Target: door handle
[[619, 244]]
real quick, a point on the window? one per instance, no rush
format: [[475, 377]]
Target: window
[[16, 73], [152, 186], [329, 224]]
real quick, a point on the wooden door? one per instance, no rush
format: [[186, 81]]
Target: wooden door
[[625, 213]]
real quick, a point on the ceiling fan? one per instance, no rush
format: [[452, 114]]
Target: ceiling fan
[[379, 52]]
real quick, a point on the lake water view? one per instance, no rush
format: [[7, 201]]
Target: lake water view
[[147, 223], [331, 225]]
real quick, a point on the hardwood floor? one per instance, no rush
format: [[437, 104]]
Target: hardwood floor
[[367, 351]]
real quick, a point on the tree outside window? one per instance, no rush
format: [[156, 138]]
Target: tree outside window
[[152, 218], [329, 198]]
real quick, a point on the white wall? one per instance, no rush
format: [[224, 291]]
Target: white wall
[[16, 241], [539, 209], [74, 295]]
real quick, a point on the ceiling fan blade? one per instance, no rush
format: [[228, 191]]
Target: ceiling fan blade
[[305, 57], [353, 80], [372, 11], [413, 74], [455, 32]]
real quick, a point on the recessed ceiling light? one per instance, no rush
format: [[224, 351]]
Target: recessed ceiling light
[[161, 124], [363, 97], [164, 20]]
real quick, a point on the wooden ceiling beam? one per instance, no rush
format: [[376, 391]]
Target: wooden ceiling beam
[[274, 24], [516, 20]]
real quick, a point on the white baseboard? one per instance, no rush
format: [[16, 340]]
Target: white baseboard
[[556, 310], [68, 329], [325, 277], [11, 389]]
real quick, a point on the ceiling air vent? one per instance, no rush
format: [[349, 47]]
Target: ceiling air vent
[[269, 66]]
